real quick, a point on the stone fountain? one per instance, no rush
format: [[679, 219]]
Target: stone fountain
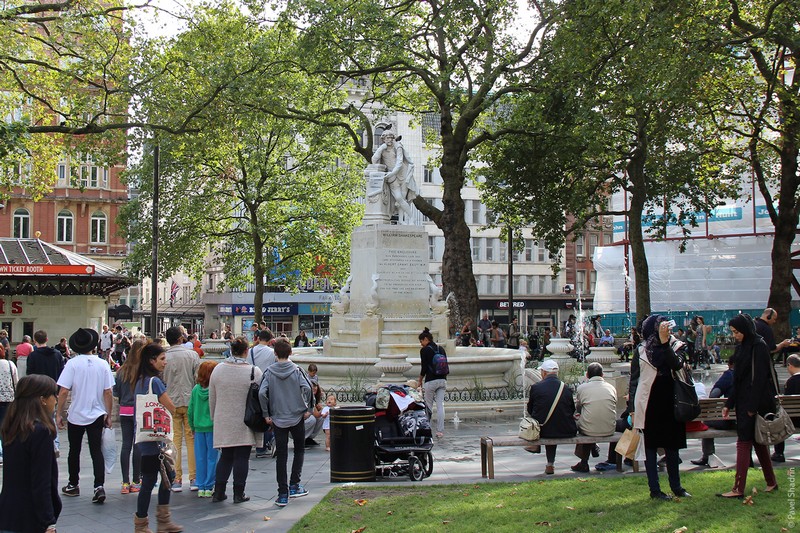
[[390, 297]]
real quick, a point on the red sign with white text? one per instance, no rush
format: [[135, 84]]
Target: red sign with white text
[[47, 269]]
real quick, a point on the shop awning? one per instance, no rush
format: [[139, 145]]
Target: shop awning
[[37, 268]]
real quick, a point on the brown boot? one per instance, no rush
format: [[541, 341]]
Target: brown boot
[[141, 525], [165, 524]]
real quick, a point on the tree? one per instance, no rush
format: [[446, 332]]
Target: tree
[[621, 111], [764, 110], [270, 199], [454, 58]]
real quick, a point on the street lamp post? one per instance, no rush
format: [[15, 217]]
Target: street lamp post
[[154, 275]]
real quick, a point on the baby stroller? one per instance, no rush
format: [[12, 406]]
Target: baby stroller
[[403, 439]]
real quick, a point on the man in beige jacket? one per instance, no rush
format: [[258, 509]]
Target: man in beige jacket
[[596, 404], [179, 375]]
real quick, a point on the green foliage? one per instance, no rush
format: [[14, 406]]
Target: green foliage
[[625, 110], [266, 197]]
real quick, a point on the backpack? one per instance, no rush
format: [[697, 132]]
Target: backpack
[[440, 366]]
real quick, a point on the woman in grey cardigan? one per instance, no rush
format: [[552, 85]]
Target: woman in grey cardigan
[[227, 395]]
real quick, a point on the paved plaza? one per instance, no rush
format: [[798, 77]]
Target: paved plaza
[[457, 460]]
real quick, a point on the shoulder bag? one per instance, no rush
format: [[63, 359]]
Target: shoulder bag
[[153, 420], [529, 427], [687, 405], [776, 427], [253, 415]]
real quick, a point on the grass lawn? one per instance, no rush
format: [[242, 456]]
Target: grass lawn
[[592, 503]]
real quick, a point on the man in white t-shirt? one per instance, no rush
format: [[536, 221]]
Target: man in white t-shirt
[[106, 341], [89, 379]]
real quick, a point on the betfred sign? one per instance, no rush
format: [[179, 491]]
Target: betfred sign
[[86, 270], [503, 304]]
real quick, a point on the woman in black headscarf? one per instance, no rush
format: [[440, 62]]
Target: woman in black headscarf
[[652, 387], [753, 392]]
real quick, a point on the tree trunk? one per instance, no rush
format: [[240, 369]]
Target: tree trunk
[[457, 275], [635, 233], [258, 274], [780, 288]]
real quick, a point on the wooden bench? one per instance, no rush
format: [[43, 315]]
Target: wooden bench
[[488, 444], [710, 409]]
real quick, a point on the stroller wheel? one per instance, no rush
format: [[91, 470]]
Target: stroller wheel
[[415, 470], [427, 463]]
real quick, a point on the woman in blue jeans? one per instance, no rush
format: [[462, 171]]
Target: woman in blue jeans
[[152, 363], [432, 384]]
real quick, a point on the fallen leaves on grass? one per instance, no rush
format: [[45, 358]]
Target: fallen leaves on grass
[[445, 522], [361, 503], [570, 508], [583, 479], [681, 529], [389, 513], [544, 523], [359, 530], [499, 506], [755, 491], [748, 501]]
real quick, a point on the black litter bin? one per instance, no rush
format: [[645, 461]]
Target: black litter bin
[[352, 444]]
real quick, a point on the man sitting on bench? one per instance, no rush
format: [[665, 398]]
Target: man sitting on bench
[[597, 412]]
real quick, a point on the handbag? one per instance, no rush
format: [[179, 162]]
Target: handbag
[[253, 415], [166, 464], [773, 428], [529, 427], [153, 420], [627, 444], [687, 405]]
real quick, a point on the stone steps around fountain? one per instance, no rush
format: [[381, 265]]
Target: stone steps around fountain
[[392, 324], [339, 344], [395, 347]]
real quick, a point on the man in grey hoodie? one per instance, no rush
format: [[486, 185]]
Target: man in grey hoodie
[[286, 401]]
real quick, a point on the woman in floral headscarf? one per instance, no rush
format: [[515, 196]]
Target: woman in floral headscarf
[[753, 392], [652, 385]]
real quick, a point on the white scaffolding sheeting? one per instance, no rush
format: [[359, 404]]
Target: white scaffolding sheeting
[[727, 273]]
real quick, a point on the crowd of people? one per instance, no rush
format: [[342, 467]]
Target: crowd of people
[[206, 403], [70, 386]]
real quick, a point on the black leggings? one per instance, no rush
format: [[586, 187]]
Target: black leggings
[[236, 458], [127, 424], [150, 474]]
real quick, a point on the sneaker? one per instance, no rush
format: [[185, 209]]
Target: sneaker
[[778, 458], [282, 500], [703, 461], [126, 488], [71, 490], [99, 495], [274, 451], [296, 491], [311, 442], [177, 486], [193, 486], [263, 454], [136, 487], [580, 467]]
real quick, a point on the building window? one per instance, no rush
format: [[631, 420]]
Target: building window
[[554, 286], [99, 228], [64, 226], [22, 224], [489, 284], [491, 244], [432, 248], [608, 238], [592, 281], [427, 174], [62, 173], [503, 284], [476, 249], [580, 281], [376, 141], [476, 212], [529, 250], [541, 251], [593, 238], [92, 176], [519, 283], [503, 251], [580, 246], [542, 284]]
